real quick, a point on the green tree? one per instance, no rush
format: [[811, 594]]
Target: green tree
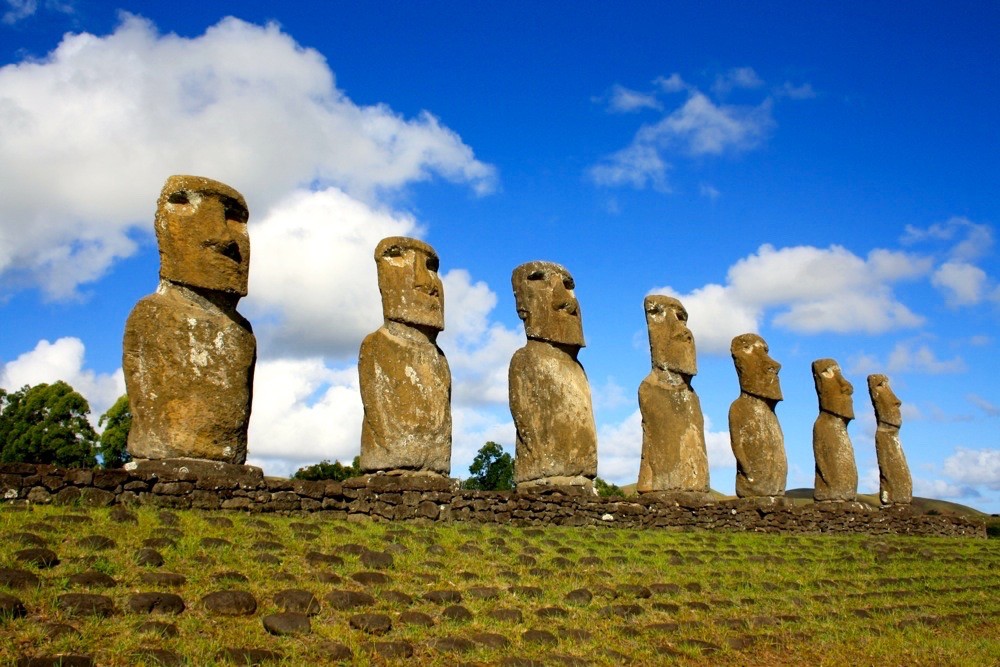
[[607, 490], [114, 438], [491, 470], [326, 470], [46, 423]]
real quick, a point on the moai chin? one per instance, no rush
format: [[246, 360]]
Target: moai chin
[[754, 432], [549, 393], [188, 356], [404, 376], [836, 471], [895, 483], [674, 457]]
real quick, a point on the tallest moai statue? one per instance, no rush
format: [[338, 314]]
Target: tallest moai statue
[[188, 356]]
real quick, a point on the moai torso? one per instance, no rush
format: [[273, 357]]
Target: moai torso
[[674, 456], [549, 393], [188, 356], [754, 432], [836, 470], [404, 377], [895, 482]]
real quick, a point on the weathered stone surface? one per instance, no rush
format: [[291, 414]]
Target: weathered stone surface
[[374, 624], [188, 356], [404, 377], [86, 604], [836, 471], [894, 480], [230, 603], [15, 578], [549, 392], [754, 432], [674, 457], [155, 603], [297, 600], [11, 607], [37, 556], [287, 623]]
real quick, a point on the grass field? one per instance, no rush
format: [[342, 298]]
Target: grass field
[[446, 594]]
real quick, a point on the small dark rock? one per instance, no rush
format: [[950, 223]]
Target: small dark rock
[[162, 579], [59, 660], [506, 615], [335, 651], [156, 603], [231, 576], [297, 600], [371, 578], [148, 557], [490, 640], [158, 656], [526, 591], [96, 542], [393, 650], [536, 636], [457, 612], [396, 597], [376, 560], [57, 630], [373, 624], [11, 607], [443, 596], [18, 579], [453, 645], [344, 600], [416, 618], [92, 579], [86, 604], [37, 556], [230, 603], [287, 623], [158, 628], [248, 656], [579, 596]]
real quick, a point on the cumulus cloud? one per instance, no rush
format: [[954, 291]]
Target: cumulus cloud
[[911, 357], [64, 360], [671, 84], [967, 240], [738, 77], [702, 127], [636, 165], [19, 9], [808, 289], [988, 407], [93, 128], [980, 467], [962, 284], [939, 488]]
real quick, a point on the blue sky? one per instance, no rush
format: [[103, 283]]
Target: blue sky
[[825, 176]]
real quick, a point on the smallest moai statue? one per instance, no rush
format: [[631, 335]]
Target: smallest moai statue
[[836, 471], [403, 374], [754, 432], [894, 481], [674, 457]]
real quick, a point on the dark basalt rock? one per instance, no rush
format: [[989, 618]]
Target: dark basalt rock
[[158, 656], [162, 579], [490, 640], [458, 613], [287, 623], [335, 651], [443, 596], [373, 624], [59, 660], [155, 603], [86, 604], [393, 650], [11, 607], [96, 542], [344, 600], [158, 628], [536, 636], [416, 618], [18, 579], [230, 603], [148, 557], [297, 600], [376, 560], [92, 579], [506, 615], [453, 645], [579, 596], [37, 556], [245, 657]]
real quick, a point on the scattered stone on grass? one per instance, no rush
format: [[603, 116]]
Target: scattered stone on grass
[[231, 576], [396, 597], [162, 579], [27, 539], [551, 612], [148, 557], [17, 579], [297, 600], [458, 613], [214, 542], [155, 603], [373, 624], [376, 560], [320, 558], [575, 634], [443, 596], [40, 557], [334, 651], [219, 521], [11, 607], [119, 514], [526, 591], [634, 590], [86, 604], [453, 645], [158, 628], [248, 656], [328, 577], [490, 640], [506, 615], [622, 611], [579, 596], [343, 600], [483, 592], [536, 636], [393, 650], [230, 603], [96, 542], [371, 578], [416, 618], [287, 623], [158, 656], [58, 660]]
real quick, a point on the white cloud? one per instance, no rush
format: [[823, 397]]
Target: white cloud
[[637, 165], [92, 130], [19, 9], [909, 357], [625, 100], [671, 84], [962, 284], [971, 240], [941, 489], [63, 360], [313, 284], [801, 92], [989, 408], [980, 467], [809, 290], [738, 77], [303, 412], [701, 127]]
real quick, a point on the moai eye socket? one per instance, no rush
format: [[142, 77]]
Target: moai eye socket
[[234, 211], [536, 275], [393, 251], [432, 264], [179, 197]]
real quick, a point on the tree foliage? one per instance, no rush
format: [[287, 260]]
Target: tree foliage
[[491, 470], [326, 470], [113, 441], [607, 490], [46, 423]]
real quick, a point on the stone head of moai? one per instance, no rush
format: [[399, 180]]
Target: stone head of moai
[[757, 371], [408, 280], [543, 292], [201, 229], [834, 391], [887, 406], [671, 344]]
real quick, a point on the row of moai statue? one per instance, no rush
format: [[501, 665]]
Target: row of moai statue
[[189, 359]]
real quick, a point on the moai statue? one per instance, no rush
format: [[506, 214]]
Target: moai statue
[[673, 428], [549, 392], [836, 471], [894, 481], [188, 356], [754, 431], [404, 376]]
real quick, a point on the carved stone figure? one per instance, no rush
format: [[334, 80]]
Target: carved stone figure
[[836, 471], [894, 481], [754, 431], [674, 457], [404, 376], [549, 393], [188, 356]]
